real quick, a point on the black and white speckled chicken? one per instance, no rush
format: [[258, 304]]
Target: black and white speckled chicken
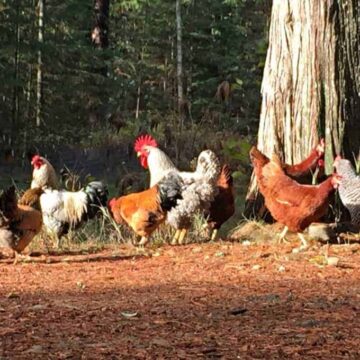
[[199, 191], [349, 188]]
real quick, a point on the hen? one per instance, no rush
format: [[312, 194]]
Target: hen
[[44, 175], [196, 198], [64, 210], [146, 210], [223, 206], [296, 171], [199, 191], [349, 188], [292, 204], [18, 223]]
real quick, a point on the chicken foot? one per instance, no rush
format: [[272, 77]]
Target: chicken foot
[[18, 256]]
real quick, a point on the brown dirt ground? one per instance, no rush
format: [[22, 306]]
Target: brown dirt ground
[[223, 300]]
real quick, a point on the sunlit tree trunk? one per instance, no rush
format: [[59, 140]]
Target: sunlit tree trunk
[[311, 83], [39, 77]]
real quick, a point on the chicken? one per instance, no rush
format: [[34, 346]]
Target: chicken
[[296, 171], [349, 188], [44, 175], [195, 198], [299, 172], [64, 210], [292, 204], [223, 206], [18, 223], [199, 191], [145, 211]]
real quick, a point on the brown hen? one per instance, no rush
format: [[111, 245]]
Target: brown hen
[[292, 204]]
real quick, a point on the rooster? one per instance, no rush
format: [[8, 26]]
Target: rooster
[[292, 204], [145, 211], [44, 175], [349, 188], [64, 210], [223, 206], [18, 223], [195, 198]]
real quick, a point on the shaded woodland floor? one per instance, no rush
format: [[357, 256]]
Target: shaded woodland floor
[[223, 300]]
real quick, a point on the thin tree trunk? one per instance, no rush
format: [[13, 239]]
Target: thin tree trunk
[[138, 98], [179, 68], [15, 101], [39, 77], [311, 83], [100, 31]]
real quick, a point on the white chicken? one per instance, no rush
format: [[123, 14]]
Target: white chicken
[[200, 186], [64, 210]]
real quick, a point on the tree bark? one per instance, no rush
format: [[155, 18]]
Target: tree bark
[[99, 33], [41, 5], [311, 83]]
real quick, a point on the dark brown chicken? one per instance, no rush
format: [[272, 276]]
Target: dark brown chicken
[[223, 206], [18, 223]]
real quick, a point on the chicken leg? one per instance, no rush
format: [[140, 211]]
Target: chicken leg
[[281, 238], [176, 237], [182, 236], [143, 241], [214, 234], [304, 243], [179, 237]]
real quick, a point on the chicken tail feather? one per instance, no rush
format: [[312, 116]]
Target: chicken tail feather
[[97, 194]]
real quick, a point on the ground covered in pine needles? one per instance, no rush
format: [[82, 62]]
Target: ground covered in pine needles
[[223, 300]]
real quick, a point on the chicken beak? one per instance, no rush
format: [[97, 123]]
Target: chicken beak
[[138, 154]]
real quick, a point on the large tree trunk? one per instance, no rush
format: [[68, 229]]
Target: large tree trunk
[[311, 83]]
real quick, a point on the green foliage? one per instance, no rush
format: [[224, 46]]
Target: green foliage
[[135, 76]]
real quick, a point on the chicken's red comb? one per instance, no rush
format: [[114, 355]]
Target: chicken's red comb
[[143, 140], [34, 159]]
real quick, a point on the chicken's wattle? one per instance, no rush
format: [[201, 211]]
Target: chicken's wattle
[[143, 161]]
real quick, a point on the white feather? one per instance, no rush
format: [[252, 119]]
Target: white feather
[[62, 207]]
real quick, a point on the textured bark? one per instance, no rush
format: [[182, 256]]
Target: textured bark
[[311, 83], [99, 34]]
